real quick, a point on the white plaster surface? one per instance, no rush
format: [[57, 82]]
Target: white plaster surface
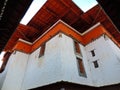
[[59, 64], [108, 57], [46, 69], [3, 74], [15, 74], [69, 62]]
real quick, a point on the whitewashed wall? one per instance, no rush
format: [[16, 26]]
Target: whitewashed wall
[[46, 69], [15, 74], [59, 64], [2, 77], [3, 74], [108, 56], [70, 68]]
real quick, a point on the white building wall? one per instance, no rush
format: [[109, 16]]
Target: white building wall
[[3, 74], [108, 56], [2, 77], [46, 69], [59, 64], [15, 74], [70, 68]]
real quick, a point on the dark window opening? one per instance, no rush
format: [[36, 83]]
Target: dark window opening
[[77, 48], [81, 67], [42, 50], [93, 53], [95, 64]]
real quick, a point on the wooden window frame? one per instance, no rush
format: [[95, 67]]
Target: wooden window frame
[[81, 68], [42, 50], [77, 48]]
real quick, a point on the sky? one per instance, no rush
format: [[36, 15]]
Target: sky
[[1, 56], [85, 5], [33, 9]]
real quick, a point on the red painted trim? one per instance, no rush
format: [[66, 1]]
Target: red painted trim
[[61, 27], [24, 47]]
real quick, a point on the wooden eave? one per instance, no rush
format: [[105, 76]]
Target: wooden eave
[[67, 11], [13, 13]]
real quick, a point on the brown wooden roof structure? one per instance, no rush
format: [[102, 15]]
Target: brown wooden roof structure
[[66, 10], [11, 12], [112, 9]]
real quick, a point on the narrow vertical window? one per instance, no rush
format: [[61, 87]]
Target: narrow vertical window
[[77, 48], [92, 52], [95, 64], [81, 67], [42, 50]]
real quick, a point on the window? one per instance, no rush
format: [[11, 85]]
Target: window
[[81, 67], [95, 64], [79, 57], [42, 50], [77, 48], [92, 52]]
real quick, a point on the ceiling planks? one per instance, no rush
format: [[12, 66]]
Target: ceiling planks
[[66, 10]]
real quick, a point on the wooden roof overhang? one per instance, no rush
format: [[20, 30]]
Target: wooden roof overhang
[[112, 9], [11, 12], [60, 27], [67, 11]]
